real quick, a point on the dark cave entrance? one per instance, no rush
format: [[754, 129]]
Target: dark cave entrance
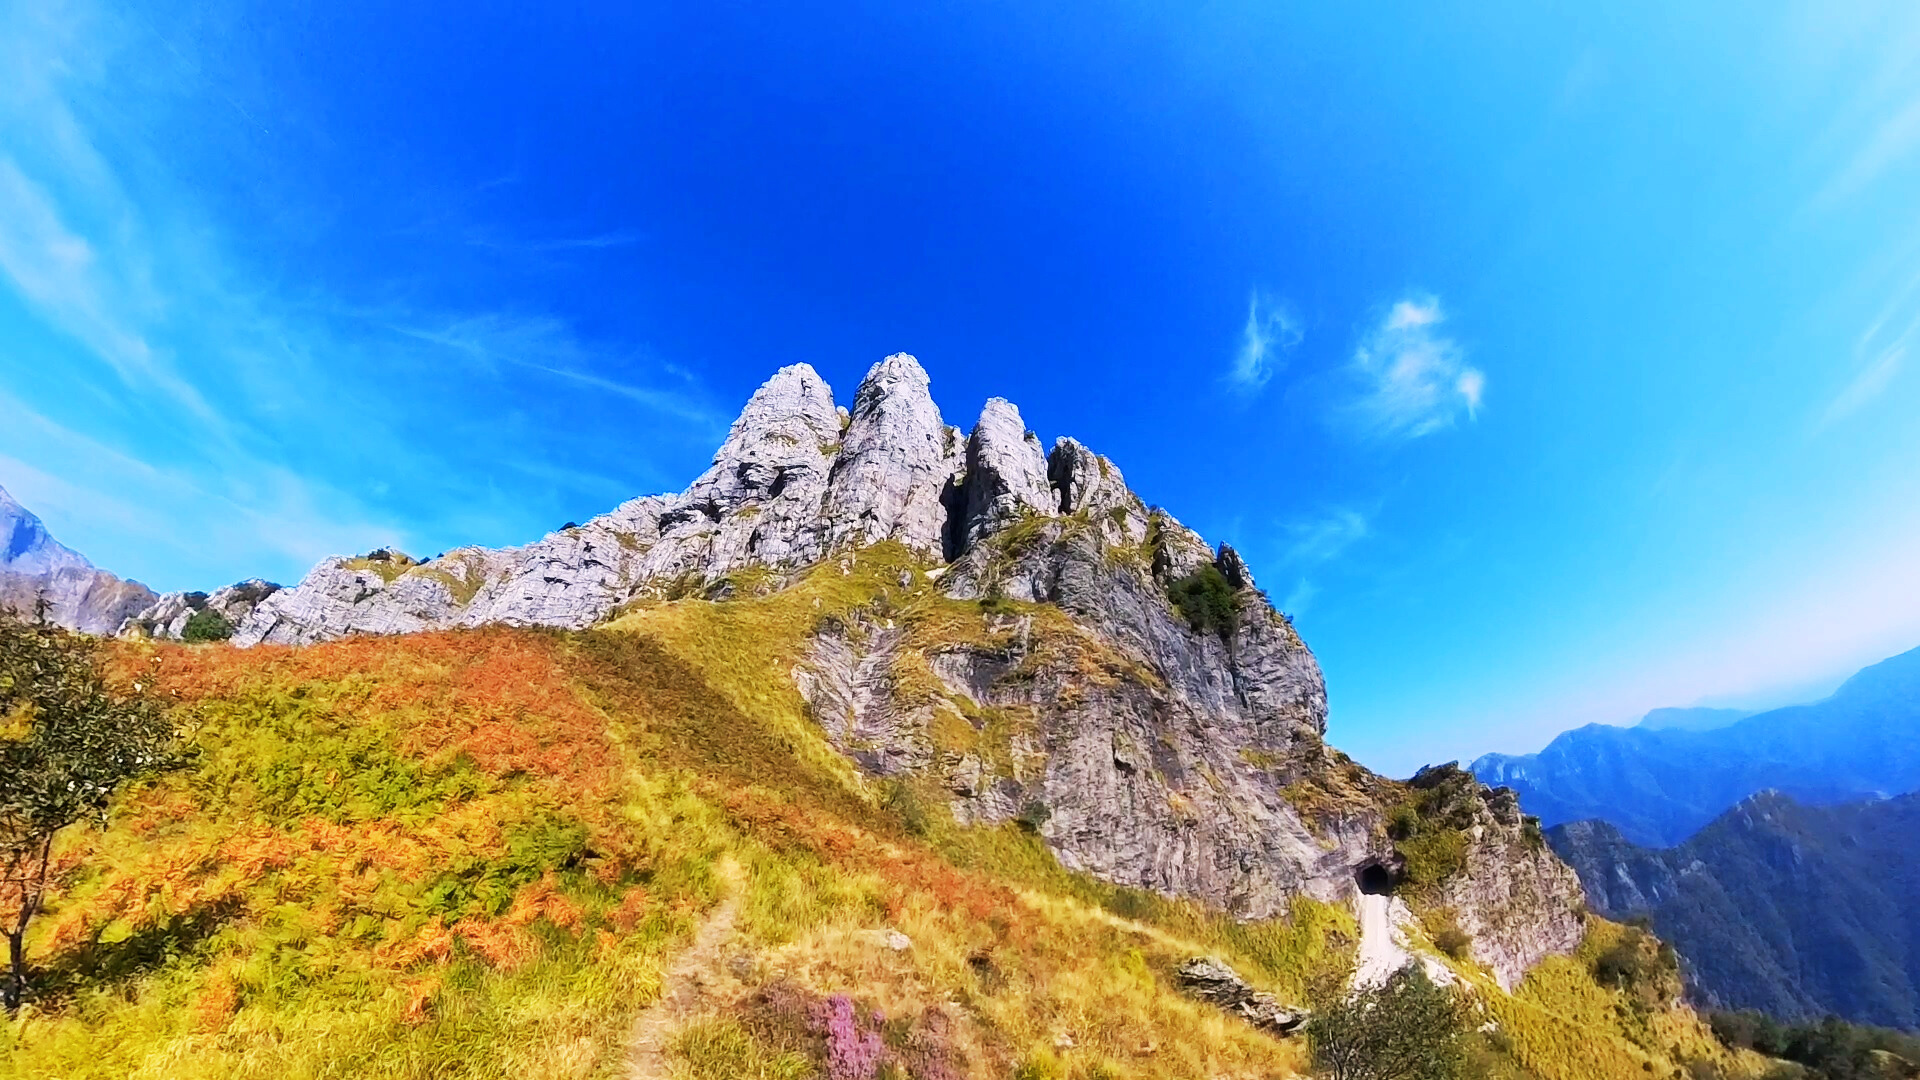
[[1374, 880]]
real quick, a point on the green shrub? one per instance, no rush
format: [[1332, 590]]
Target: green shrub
[[899, 797], [1403, 1029], [69, 740], [1432, 855], [1033, 816], [996, 603], [1530, 828], [1206, 600], [1429, 828], [1638, 964], [207, 625], [1443, 926]]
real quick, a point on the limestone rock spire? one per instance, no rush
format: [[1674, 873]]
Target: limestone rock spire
[[1006, 477], [895, 460]]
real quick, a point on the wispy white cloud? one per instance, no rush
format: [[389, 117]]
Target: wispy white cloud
[[235, 517], [1893, 139], [1407, 378], [1326, 537], [612, 238], [1879, 352], [1270, 332], [550, 347], [1299, 598], [1314, 542], [61, 274], [1865, 386], [187, 418]]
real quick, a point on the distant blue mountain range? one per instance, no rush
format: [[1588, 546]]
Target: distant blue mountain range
[[1679, 769]]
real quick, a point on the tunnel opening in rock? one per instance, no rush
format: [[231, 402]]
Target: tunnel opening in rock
[[1374, 880]]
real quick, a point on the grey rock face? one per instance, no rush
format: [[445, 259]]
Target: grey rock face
[[796, 479], [1154, 755], [1515, 898], [34, 567], [1213, 982], [166, 618], [1006, 473], [894, 465], [1090, 485]]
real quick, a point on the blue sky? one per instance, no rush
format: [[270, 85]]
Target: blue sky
[[1548, 366]]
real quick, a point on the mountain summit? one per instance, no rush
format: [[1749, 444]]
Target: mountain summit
[[797, 478], [35, 567], [1013, 627], [27, 548]]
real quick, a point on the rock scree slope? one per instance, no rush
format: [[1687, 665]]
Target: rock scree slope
[[1146, 745]]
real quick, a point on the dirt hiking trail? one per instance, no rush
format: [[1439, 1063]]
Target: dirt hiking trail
[[697, 971]]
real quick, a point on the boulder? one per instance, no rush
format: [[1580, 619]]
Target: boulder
[[1213, 982]]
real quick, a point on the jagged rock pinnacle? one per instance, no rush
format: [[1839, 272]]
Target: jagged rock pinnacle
[[894, 462], [1006, 472]]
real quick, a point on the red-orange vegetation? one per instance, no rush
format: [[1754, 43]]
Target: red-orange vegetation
[[543, 900], [500, 943], [420, 997], [431, 942], [630, 910], [501, 697], [216, 1003]]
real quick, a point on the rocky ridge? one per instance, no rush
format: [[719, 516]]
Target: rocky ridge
[[36, 567], [1147, 745], [1798, 910]]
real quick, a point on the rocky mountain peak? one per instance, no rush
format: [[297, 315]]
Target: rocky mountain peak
[[25, 545], [894, 462], [793, 410], [776, 458], [36, 567], [1006, 473]]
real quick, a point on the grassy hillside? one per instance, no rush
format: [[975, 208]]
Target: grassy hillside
[[477, 854]]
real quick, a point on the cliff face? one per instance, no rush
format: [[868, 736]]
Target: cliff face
[[1170, 745], [35, 567], [1513, 895]]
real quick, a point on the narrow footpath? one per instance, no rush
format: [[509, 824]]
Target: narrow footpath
[[696, 973], [1382, 950]]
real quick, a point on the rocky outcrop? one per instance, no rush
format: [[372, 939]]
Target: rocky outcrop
[[795, 479], [1512, 895], [166, 618], [1213, 982], [1006, 474], [895, 463], [1042, 672], [36, 568]]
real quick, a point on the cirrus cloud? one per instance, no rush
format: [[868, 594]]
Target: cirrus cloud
[[1409, 379], [1271, 331]]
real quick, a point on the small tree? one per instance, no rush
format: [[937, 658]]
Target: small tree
[[1403, 1029], [68, 741], [1206, 600], [206, 624]]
